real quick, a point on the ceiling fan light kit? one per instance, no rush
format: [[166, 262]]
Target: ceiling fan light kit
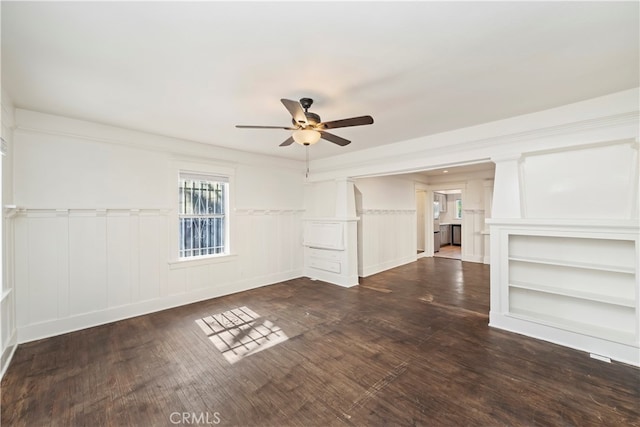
[[308, 128], [306, 136]]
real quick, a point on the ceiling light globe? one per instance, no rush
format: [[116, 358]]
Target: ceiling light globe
[[306, 136]]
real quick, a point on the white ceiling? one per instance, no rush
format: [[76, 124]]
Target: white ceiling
[[194, 70]]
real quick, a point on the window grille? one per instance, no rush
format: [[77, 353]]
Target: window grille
[[202, 215]]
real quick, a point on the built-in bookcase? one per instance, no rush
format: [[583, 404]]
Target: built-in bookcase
[[582, 283]]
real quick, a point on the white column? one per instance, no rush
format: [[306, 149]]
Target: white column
[[506, 188], [345, 199], [337, 263]]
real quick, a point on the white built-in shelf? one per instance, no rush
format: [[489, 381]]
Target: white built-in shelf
[[576, 264], [583, 284], [591, 296], [615, 335]]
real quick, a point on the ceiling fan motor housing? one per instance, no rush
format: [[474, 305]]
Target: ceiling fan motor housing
[[312, 118], [306, 103], [311, 128]]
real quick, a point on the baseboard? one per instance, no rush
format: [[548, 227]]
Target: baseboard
[[616, 351], [387, 265], [7, 353], [474, 258], [88, 320], [333, 278]]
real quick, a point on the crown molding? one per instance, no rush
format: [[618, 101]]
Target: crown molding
[[454, 146], [28, 121]]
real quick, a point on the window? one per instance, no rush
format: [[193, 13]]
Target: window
[[458, 208], [202, 215]]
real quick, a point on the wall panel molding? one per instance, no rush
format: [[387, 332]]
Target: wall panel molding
[[78, 268], [387, 240]]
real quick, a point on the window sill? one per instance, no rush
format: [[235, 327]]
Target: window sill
[[199, 261]]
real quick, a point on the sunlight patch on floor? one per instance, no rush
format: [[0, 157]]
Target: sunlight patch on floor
[[240, 332]]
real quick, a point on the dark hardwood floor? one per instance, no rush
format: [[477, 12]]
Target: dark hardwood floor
[[410, 346]]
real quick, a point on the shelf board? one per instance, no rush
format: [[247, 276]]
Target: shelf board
[[573, 293], [614, 335], [583, 265]]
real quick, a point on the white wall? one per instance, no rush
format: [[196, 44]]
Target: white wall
[[96, 230], [569, 172], [8, 328], [387, 231], [449, 216], [566, 265], [421, 215]]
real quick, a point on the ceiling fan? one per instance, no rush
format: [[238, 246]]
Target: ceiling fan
[[308, 128]]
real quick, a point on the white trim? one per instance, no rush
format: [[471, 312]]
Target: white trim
[[620, 225], [27, 121], [387, 211], [370, 270], [611, 117], [262, 211], [331, 278], [174, 172], [5, 294], [13, 210], [201, 260], [8, 352], [617, 351], [51, 328]]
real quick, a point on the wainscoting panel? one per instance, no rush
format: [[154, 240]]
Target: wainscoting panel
[[151, 251], [473, 239], [44, 269], [119, 260], [387, 240], [272, 239], [80, 268], [87, 263]]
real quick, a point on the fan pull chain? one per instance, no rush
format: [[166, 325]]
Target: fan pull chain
[[307, 157]]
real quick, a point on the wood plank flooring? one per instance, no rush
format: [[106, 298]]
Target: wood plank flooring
[[411, 346], [449, 251]]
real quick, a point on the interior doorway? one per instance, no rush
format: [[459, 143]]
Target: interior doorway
[[447, 223], [421, 203]]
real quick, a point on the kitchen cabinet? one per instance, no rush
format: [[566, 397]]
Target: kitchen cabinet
[[445, 234]]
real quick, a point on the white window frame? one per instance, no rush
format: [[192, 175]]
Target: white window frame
[[458, 214], [224, 181], [178, 169]]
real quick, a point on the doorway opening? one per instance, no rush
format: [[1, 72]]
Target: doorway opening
[[447, 223], [421, 205]]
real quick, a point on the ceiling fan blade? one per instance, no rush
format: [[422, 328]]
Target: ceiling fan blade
[[287, 141], [296, 110], [334, 138], [264, 127], [354, 121]]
